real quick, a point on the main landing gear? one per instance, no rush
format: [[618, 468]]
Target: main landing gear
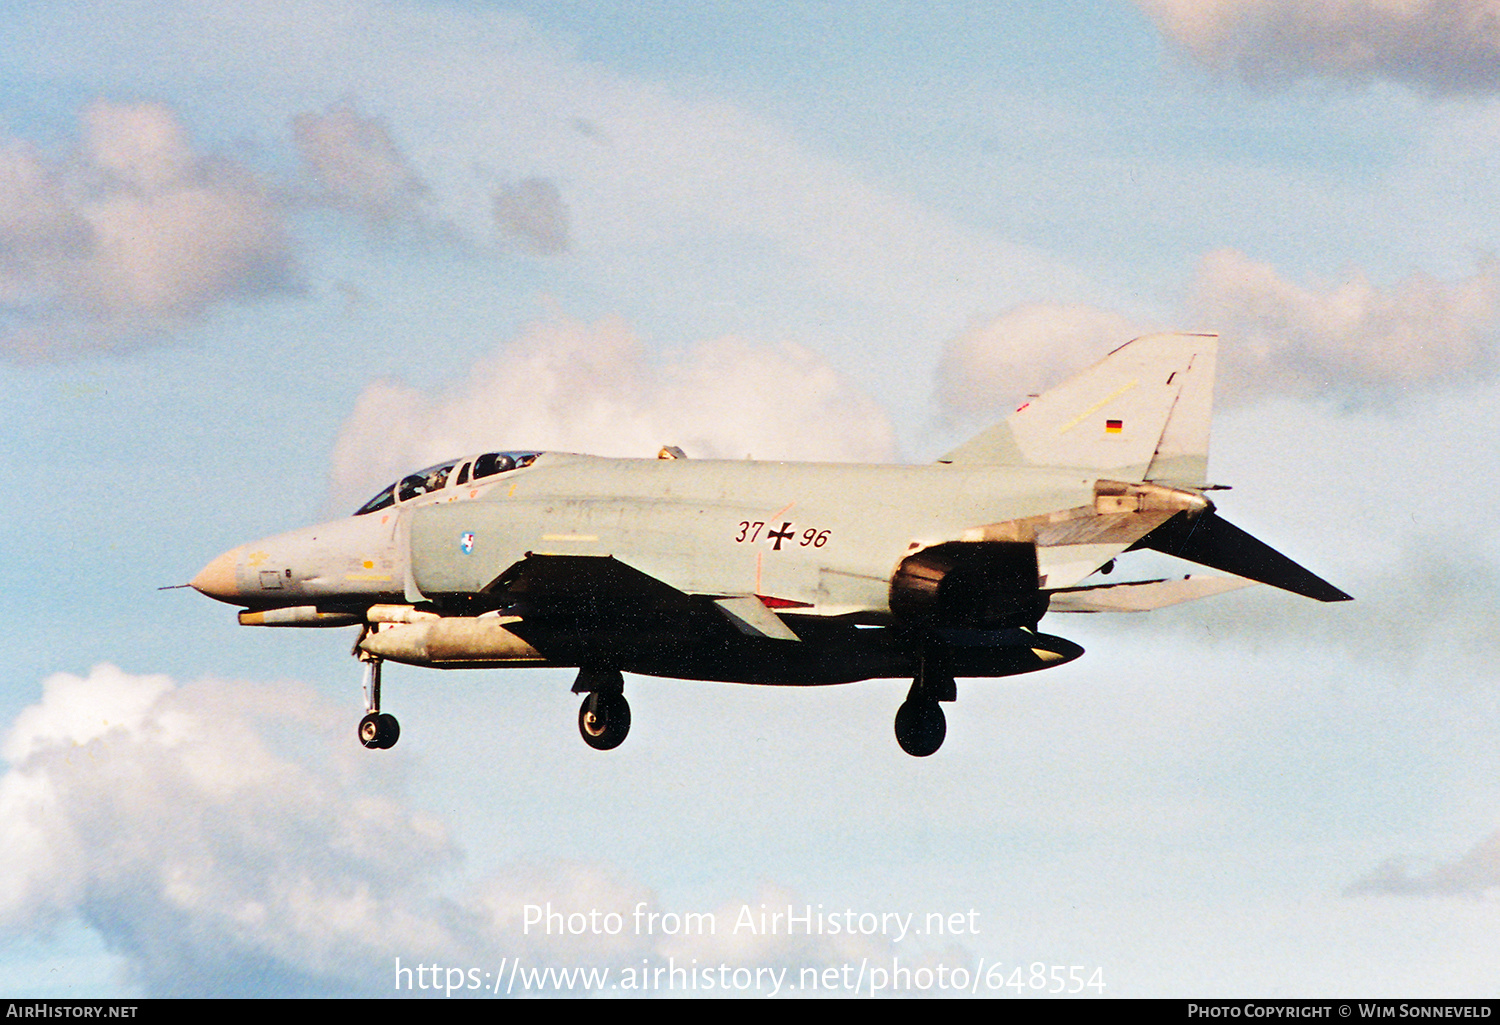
[[604, 716], [920, 723], [377, 730]]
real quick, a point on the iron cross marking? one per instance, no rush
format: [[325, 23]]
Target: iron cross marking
[[784, 534]]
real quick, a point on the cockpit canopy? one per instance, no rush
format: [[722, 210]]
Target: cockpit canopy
[[471, 470]]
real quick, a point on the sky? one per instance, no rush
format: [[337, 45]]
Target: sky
[[258, 260]]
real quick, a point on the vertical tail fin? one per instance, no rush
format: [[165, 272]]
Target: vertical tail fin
[[1141, 413], [1181, 457]]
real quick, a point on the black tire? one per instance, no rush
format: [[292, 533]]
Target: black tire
[[920, 727], [379, 731], [604, 720], [390, 731]]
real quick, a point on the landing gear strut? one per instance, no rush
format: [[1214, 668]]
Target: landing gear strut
[[377, 730], [604, 716], [920, 723]]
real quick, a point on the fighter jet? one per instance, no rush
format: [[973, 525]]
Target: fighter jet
[[778, 573]]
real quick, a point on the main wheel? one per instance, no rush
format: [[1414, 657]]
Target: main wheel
[[379, 731], [604, 719], [920, 727]]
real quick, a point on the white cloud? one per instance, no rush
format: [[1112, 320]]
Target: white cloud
[[211, 835], [356, 166], [1441, 45], [1286, 338], [520, 902], [662, 189], [993, 366], [76, 711], [578, 387], [134, 233], [227, 838], [656, 188], [1278, 337]]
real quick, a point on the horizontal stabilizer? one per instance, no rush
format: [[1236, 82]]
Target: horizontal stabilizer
[[1209, 540], [1142, 595]]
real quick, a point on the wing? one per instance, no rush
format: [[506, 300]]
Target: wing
[[599, 592], [599, 587]]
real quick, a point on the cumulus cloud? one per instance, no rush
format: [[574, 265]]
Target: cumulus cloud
[[532, 212], [1439, 45], [579, 387], [1476, 874], [675, 193], [1286, 338], [230, 839], [1279, 337], [356, 166], [991, 367], [178, 823], [128, 237]]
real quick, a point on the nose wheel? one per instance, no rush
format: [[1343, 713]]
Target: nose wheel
[[377, 730]]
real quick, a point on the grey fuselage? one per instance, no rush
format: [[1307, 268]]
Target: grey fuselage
[[816, 543], [827, 537]]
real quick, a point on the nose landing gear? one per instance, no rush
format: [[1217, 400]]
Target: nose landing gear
[[377, 730]]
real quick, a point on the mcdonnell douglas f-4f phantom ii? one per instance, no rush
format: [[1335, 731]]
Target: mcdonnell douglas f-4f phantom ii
[[791, 574]]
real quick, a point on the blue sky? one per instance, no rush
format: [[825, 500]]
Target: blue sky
[[256, 261]]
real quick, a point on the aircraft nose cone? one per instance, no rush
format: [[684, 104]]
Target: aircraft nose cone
[[217, 579]]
